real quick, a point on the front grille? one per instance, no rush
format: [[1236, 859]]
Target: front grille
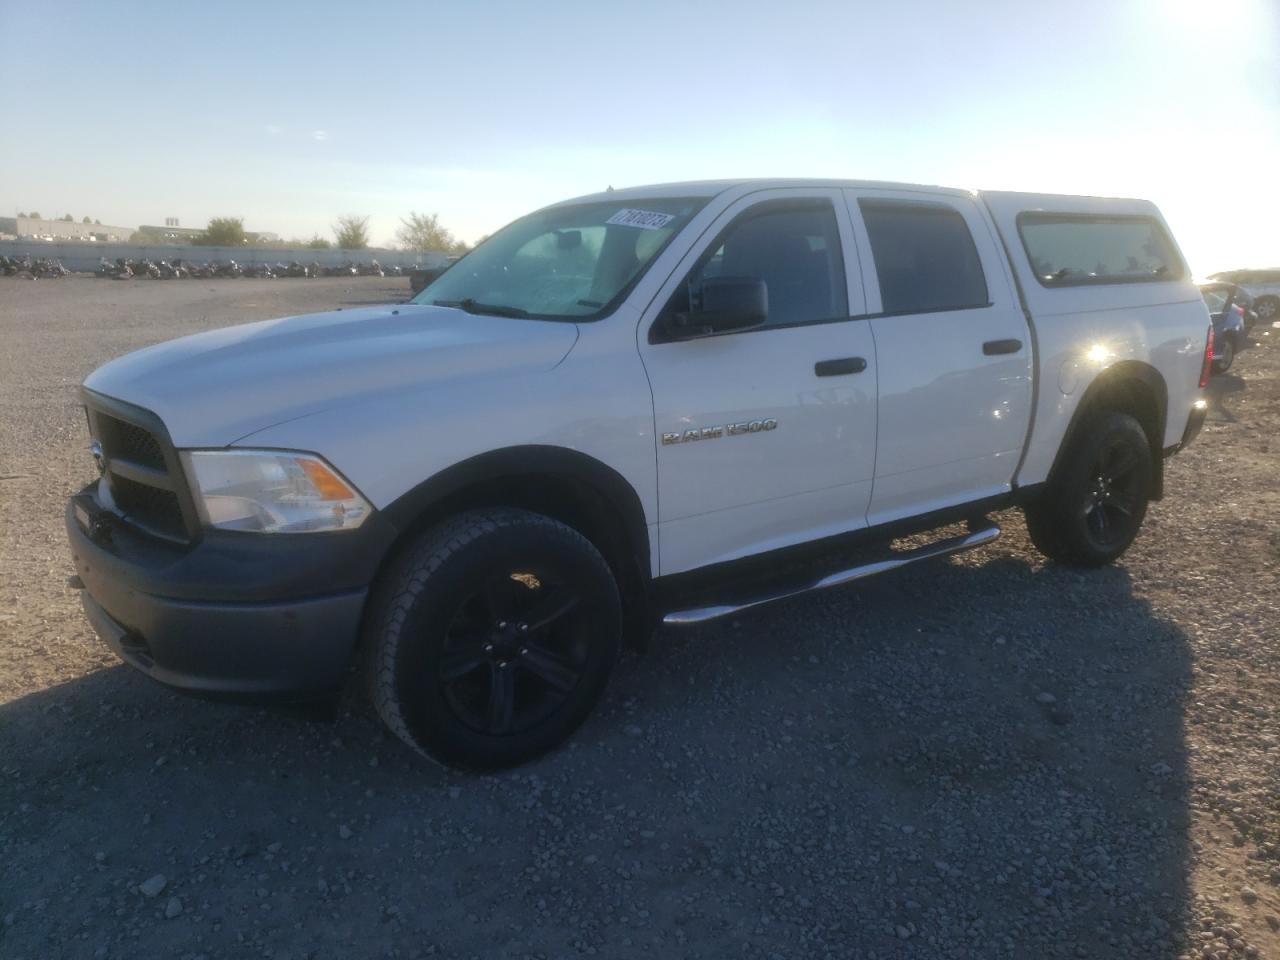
[[141, 468], [151, 508], [129, 442]]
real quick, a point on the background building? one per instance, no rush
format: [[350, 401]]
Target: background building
[[170, 232], [31, 228]]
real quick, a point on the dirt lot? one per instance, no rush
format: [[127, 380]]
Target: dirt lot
[[983, 757]]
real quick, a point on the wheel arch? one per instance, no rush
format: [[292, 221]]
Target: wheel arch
[[1133, 387], [564, 484]]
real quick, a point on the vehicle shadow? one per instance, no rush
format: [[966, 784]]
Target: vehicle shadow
[[1221, 387], [975, 757]]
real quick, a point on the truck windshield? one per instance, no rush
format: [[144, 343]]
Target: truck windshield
[[573, 262]]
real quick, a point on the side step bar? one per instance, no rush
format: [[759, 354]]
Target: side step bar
[[976, 538]]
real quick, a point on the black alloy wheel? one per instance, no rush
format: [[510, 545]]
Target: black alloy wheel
[[492, 637], [1114, 495], [1093, 506], [514, 652]]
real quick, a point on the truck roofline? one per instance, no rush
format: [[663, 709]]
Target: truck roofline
[[713, 188]]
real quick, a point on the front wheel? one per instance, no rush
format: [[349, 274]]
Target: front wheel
[[493, 638], [1091, 510]]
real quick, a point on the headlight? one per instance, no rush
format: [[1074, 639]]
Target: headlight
[[272, 491]]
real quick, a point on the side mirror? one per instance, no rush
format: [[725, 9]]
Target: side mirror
[[722, 305]]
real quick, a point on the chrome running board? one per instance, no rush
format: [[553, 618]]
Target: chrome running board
[[942, 548]]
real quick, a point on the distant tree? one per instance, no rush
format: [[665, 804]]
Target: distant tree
[[97, 223], [423, 232], [223, 232], [68, 218], [352, 232], [152, 238], [318, 242], [22, 214], [86, 220], [35, 216]]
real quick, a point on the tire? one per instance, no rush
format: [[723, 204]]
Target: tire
[[1226, 355], [1092, 508], [492, 638], [1267, 308]]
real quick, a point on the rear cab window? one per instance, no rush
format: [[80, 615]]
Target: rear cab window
[[1067, 249]]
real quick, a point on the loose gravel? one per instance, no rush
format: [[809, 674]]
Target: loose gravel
[[988, 756]]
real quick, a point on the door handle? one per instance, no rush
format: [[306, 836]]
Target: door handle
[[995, 347], [838, 368]]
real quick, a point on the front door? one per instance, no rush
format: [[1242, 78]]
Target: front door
[[765, 436]]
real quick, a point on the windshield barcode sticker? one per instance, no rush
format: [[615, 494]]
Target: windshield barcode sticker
[[644, 219]]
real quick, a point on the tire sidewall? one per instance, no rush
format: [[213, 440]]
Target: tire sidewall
[[1060, 516], [1079, 475], [1223, 363], [419, 630]]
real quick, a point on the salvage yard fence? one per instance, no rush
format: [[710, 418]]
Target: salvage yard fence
[[85, 256]]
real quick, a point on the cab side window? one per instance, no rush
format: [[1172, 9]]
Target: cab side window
[[925, 257], [794, 247]]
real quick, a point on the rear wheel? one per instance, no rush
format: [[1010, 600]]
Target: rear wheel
[[1226, 355], [1267, 308], [1092, 509], [493, 638]]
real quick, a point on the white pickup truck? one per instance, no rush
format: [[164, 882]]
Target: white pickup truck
[[667, 403]]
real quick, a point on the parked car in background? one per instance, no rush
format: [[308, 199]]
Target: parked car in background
[[1237, 296], [1240, 297], [1229, 335], [1263, 286]]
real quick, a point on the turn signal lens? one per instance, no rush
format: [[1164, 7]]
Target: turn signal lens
[[325, 480]]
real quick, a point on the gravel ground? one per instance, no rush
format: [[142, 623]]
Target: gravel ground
[[982, 757]]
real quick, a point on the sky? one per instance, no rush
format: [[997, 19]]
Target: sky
[[290, 114]]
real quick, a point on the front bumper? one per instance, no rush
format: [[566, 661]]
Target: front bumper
[[238, 614]]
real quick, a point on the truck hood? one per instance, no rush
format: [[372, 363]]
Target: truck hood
[[214, 388]]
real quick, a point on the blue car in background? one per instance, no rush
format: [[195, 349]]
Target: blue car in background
[[1229, 306]]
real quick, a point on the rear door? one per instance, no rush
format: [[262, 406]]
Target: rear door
[[953, 350]]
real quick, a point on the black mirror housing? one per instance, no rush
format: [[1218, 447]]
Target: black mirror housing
[[722, 305]]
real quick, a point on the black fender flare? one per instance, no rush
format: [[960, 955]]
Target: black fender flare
[[1109, 379], [541, 460]]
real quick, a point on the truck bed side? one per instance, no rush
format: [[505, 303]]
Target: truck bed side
[[1093, 326]]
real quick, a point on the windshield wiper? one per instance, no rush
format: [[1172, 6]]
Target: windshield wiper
[[488, 309]]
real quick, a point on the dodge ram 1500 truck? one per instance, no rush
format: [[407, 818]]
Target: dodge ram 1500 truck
[[661, 404]]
